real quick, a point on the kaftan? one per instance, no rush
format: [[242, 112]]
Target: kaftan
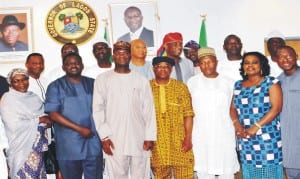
[[170, 124], [213, 133], [123, 110]]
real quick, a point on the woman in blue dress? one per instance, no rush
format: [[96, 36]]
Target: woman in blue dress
[[255, 109]]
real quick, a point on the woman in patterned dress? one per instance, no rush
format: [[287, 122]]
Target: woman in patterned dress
[[256, 103], [25, 124]]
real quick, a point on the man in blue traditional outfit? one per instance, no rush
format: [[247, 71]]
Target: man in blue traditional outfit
[[69, 104]]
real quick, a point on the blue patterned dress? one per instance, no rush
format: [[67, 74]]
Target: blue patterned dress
[[261, 155]]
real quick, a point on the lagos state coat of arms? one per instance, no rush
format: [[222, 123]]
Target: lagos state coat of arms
[[71, 21]]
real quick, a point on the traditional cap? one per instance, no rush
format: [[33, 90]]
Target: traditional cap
[[206, 51], [11, 20], [97, 40], [157, 60], [102, 44], [172, 37], [275, 34], [168, 38], [14, 72], [121, 45], [191, 44]]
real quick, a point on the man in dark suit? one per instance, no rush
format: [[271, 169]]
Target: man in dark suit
[[134, 20]]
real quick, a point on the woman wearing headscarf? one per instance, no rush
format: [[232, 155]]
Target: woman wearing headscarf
[[24, 121]]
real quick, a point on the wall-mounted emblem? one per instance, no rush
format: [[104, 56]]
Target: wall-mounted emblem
[[71, 21]]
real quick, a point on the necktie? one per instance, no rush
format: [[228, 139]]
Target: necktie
[[178, 72]]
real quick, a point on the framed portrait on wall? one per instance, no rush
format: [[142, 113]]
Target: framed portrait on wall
[[131, 21], [16, 34]]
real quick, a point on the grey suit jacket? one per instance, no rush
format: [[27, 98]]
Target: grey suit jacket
[[146, 36]]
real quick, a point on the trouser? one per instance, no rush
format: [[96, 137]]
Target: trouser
[[209, 176], [118, 167], [292, 173], [91, 168], [182, 172]]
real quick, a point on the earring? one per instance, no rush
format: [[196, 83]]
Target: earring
[[245, 74]]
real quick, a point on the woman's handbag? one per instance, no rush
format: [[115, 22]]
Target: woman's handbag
[[49, 157]]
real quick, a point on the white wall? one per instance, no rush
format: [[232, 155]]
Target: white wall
[[252, 20]]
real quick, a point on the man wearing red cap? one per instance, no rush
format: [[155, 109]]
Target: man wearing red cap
[[172, 46]]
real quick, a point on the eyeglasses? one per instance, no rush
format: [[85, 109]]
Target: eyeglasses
[[68, 51], [19, 80]]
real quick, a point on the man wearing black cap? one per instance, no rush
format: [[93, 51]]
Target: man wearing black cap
[[10, 31], [172, 154], [124, 116]]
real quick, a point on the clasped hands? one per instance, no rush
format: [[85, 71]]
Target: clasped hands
[[246, 133], [107, 146]]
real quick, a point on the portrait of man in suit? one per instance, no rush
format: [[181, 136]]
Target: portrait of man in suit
[[133, 18]]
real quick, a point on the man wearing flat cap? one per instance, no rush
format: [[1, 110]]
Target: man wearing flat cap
[[172, 154], [213, 132], [190, 51], [124, 115], [172, 47], [10, 31]]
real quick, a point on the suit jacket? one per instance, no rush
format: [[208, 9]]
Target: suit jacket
[[146, 36]]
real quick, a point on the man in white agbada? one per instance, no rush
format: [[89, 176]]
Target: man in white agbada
[[124, 116], [213, 133]]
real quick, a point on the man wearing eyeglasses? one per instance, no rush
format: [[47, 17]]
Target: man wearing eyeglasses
[[172, 153]]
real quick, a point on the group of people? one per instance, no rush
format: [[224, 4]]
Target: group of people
[[175, 116]]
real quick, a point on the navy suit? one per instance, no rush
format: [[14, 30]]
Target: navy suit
[[146, 36]]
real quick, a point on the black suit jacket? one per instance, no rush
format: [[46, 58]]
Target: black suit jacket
[[146, 36], [3, 86]]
